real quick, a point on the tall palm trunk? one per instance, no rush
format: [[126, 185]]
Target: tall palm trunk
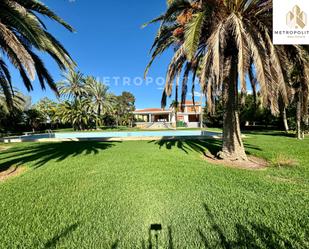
[[202, 112], [299, 122], [285, 120], [117, 121], [233, 147], [176, 99], [283, 114], [98, 117], [176, 118], [97, 123]]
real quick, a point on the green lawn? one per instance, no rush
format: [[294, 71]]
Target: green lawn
[[106, 195]]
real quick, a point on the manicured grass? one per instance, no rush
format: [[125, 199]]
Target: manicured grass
[[106, 195]]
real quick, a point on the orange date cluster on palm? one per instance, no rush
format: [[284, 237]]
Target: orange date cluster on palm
[[184, 18], [179, 32], [196, 5]]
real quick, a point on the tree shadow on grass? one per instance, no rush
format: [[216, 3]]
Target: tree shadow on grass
[[209, 235], [270, 133], [213, 235], [186, 146], [115, 244], [252, 235], [40, 154], [198, 145], [52, 243]]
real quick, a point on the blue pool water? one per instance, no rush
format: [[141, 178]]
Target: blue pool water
[[129, 134], [97, 135]]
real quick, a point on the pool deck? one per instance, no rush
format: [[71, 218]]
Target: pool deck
[[212, 135]]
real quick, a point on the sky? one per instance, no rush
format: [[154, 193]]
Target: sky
[[109, 44]]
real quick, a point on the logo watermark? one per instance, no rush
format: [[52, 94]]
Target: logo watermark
[[296, 18], [290, 24], [125, 81]]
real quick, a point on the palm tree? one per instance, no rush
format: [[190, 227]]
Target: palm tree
[[175, 106], [48, 109], [33, 118], [123, 109], [77, 112], [73, 85], [100, 99], [12, 116], [223, 40], [283, 114], [18, 102], [22, 34]]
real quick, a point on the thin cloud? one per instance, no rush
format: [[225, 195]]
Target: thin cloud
[[196, 94]]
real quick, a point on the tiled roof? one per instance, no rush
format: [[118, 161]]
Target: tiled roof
[[190, 102], [151, 110]]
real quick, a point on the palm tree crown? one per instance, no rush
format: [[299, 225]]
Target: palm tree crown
[[22, 33], [98, 93], [18, 102], [73, 85]]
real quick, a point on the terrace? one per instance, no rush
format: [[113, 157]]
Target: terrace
[[189, 114]]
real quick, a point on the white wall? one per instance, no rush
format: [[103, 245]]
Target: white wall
[[173, 118]]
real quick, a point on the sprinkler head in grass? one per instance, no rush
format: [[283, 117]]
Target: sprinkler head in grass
[[156, 227]]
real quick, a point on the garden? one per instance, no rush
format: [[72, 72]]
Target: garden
[[239, 181]]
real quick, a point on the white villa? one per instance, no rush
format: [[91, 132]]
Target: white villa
[[164, 118]]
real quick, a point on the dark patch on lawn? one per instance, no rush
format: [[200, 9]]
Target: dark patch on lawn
[[271, 133], [40, 154], [53, 242]]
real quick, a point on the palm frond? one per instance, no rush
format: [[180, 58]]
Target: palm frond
[[193, 33], [23, 34]]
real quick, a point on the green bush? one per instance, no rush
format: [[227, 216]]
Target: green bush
[[181, 124]]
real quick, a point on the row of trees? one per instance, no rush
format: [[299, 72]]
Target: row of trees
[[84, 103], [88, 103], [253, 115]]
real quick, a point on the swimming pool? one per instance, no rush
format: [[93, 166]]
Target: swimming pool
[[136, 135]]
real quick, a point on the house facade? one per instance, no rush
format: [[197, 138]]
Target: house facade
[[190, 116]]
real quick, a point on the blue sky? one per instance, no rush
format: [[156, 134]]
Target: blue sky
[[109, 42]]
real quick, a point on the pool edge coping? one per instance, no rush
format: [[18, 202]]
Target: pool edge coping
[[111, 139]]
